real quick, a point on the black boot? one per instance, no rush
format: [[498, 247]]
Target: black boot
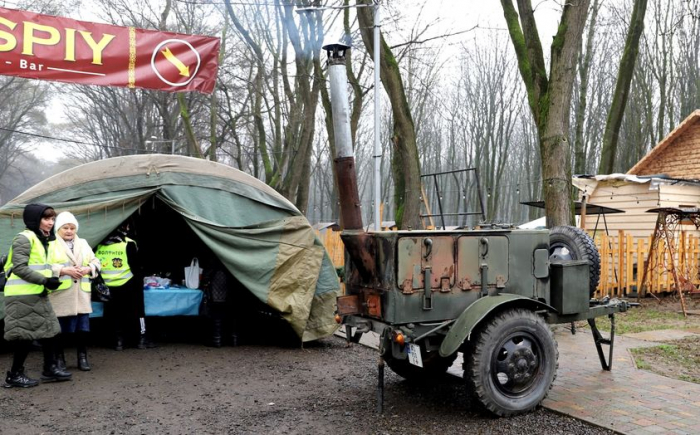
[[60, 360], [216, 339], [119, 343], [52, 373], [81, 340], [83, 363], [19, 379], [145, 343]]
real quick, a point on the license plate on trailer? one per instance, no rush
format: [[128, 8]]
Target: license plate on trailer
[[414, 355]]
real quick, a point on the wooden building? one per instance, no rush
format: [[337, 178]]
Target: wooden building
[[668, 176]]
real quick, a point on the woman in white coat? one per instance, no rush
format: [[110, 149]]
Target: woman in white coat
[[74, 263]]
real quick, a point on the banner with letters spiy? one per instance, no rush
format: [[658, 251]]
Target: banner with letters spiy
[[46, 47]]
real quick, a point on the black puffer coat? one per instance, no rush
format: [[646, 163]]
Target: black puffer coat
[[29, 317]]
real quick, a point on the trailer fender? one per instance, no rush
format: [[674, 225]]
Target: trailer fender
[[478, 311]]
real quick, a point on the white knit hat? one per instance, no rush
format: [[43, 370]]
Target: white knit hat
[[63, 218]]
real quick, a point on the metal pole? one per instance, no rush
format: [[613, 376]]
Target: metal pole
[[380, 386], [377, 109], [172, 147]]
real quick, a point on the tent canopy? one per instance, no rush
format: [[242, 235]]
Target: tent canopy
[[258, 235]]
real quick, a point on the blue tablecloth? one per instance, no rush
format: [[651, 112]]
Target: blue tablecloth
[[165, 302]]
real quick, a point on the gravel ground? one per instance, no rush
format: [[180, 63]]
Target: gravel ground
[[185, 388]]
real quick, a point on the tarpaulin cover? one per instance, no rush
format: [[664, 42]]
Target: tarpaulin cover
[[263, 240]]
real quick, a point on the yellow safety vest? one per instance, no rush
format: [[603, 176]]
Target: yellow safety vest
[[59, 256], [16, 286], [115, 266]]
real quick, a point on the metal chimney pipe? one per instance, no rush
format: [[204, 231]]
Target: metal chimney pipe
[[345, 157]]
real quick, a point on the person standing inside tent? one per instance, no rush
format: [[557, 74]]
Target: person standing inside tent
[[121, 270], [218, 285], [73, 261], [28, 312]]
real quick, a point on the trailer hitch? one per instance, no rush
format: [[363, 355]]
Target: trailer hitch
[[600, 341]]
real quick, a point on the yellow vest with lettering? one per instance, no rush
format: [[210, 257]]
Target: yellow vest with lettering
[[115, 266], [16, 286]]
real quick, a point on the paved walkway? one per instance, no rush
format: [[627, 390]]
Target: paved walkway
[[626, 400]]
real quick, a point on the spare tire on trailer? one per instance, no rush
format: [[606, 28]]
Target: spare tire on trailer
[[571, 243]]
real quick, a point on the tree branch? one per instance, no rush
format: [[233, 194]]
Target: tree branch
[[423, 41]]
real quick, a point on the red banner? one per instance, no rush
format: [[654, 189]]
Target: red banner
[[45, 47]]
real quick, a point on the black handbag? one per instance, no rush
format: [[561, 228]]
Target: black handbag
[[100, 291]]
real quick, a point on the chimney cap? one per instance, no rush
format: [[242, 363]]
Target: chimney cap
[[336, 46]]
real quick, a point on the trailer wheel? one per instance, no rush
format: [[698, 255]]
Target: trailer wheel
[[512, 362], [571, 243], [434, 366]]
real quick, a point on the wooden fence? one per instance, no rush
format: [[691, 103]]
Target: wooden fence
[[334, 246], [623, 259], [621, 269]]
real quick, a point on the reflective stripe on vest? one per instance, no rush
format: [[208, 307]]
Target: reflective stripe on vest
[[115, 266], [58, 256], [16, 286]]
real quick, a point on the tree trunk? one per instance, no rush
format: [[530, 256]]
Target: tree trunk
[[193, 149], [405, 165], [550, 98], [622, 88], [584, 71]]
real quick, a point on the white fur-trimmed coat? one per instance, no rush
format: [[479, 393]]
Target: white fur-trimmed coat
[[73, 301]]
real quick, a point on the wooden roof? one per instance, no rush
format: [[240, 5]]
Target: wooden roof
[[659, 161]]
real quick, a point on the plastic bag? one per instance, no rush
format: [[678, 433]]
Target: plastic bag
[[154, 281], [192, 273], [100, 291]]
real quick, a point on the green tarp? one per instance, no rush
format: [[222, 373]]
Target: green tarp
[[261, 238]]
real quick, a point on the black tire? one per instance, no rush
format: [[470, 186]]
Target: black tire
[[434, 366], [571, 243], [512, 363]]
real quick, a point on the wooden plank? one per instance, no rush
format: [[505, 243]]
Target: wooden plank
[[621, 261], [431, 223], [629, 255], [640, 265]]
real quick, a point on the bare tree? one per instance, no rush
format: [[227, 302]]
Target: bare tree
[[549, 97], [622, 87], [405, 163], [584, 70], [21, 115]]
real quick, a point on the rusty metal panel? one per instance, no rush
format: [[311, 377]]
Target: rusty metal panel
[[418, 276], [417, 253], [374, 305], [438, 254], [348, 305], [498, 261], [409, 250], [468, 274], [473, 251]]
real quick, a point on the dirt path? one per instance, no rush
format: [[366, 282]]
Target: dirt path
[[188, 388]]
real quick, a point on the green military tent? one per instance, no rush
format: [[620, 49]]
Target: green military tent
[[187, 205]]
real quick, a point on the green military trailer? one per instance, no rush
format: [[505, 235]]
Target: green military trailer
[[488, 292]]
